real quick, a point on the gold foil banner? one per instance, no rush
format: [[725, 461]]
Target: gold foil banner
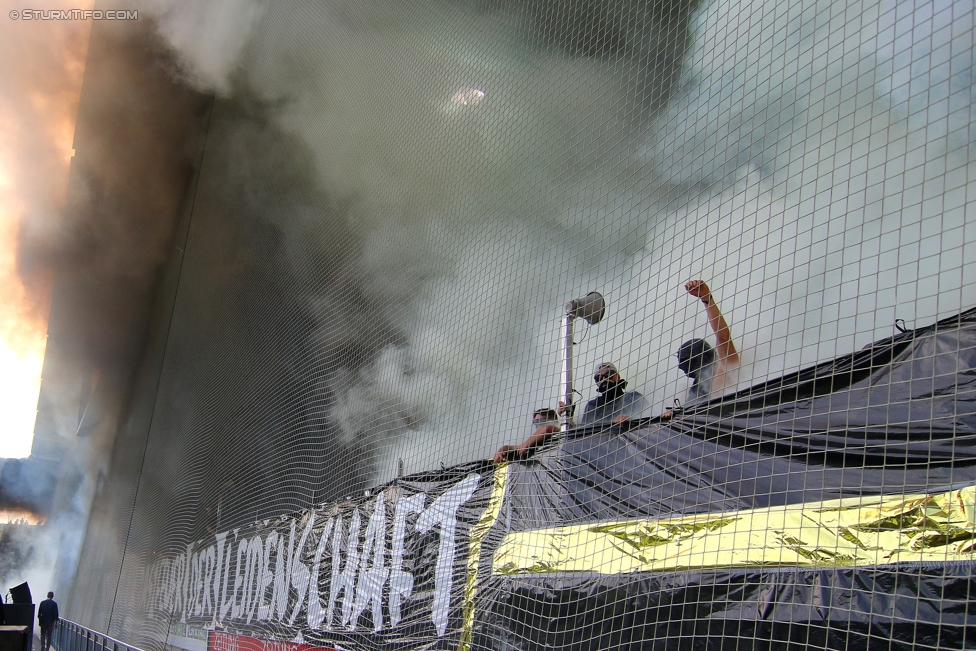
[[855, 531], [478, 533]]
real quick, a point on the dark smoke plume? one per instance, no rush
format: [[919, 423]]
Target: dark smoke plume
[[138, 139], [27, 484]]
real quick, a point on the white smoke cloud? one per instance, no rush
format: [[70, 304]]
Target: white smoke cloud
[[813, 167], [857, 141], [209, 36]]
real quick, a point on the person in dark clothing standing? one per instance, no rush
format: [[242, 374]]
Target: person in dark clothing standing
[[47, 617], [614, 404]]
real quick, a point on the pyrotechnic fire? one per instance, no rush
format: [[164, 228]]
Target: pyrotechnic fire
[[18, 517], [23, 337], [42, 64]]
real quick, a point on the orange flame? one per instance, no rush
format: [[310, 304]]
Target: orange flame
[[42, 63], [18, 517]]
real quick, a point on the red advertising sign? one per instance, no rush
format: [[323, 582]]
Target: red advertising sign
[[221, 641]]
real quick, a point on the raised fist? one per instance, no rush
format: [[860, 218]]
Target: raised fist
[[698, 289]]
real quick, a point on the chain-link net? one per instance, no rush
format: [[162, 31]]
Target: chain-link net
[[393, 206]]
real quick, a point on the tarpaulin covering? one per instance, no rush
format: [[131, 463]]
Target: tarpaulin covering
[[832, 508]]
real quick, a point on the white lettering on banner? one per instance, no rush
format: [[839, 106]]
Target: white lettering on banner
[[225, 603], [258, 580], [199, 569], [155, 599], [300, 576], [238, 579], [282, 574], [252, 576], [196, 582], [369, 590], [187, 591], [443, 512], [242, 598], [270, 544], [208, 580], [315, 610], [220, 538], [191, 584], [176, 576], [159, 600], [179, 592], [401, 583], [248, 562], [203, 589], [270, 582], [344, 582], [185, 583]]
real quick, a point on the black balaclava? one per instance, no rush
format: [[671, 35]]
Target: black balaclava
[[609, 391], [694, 355]]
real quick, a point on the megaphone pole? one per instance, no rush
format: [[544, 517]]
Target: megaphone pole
[[591, 309], [567, 379]]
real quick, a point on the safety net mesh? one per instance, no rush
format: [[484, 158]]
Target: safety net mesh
[[394, 204]]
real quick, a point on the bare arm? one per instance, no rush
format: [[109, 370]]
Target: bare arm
[[723, 335], [540, 436]]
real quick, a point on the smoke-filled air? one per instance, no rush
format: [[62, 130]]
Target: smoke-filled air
[[485, 174], [83, 240], [359, 223], [38, 106]]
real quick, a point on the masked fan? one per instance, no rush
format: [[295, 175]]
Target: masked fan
[[613, 404]]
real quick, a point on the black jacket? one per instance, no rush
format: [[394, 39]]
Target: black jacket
[[47, 612]]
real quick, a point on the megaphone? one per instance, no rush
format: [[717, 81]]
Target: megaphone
[[590, 308]]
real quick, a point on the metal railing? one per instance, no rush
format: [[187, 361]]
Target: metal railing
[[69, 636]]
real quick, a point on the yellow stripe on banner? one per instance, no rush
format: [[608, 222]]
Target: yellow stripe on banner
[[478, 533], [851, 532]]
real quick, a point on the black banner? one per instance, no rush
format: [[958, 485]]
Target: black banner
[[390, 567], [832, 508]]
